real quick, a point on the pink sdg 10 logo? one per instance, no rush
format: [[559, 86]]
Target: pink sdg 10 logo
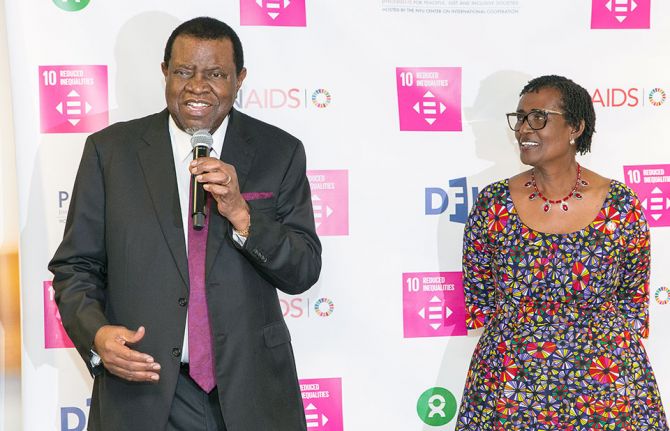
[[652, 185], [433, 304], [54, 334], [322, 400], [620, 14], [330, 201], [429, 98], [273, 13], [73, 99]]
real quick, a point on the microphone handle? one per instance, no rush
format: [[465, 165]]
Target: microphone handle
[[198, 194]]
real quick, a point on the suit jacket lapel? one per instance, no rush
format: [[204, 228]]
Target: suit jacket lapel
[[239, 152], [157, 164]]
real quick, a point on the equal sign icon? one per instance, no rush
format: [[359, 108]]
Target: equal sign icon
[[436, 313], [621, 8], [315, 420], [73, 108], [321, 211], [273, 7], [429, 107], [657, 204]]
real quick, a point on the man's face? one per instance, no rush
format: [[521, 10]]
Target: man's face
[[201, 82]]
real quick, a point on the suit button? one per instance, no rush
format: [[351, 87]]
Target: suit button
[[176, 352], [259, 254], [183, 302]]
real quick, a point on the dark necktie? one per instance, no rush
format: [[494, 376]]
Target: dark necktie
[[201, 365]]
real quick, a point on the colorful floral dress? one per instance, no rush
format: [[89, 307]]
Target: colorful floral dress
[[563, 317]]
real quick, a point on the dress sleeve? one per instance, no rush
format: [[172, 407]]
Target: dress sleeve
[[478, 284], [633, 289]]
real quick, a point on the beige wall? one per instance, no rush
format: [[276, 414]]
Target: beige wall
[[9, 230]]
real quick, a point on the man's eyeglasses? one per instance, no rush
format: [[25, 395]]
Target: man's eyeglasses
[[537, 119]]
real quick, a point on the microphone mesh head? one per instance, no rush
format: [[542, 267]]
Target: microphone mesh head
[[202, 137]]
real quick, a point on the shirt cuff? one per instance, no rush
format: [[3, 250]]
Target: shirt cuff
[[239, 239], [95, 359]]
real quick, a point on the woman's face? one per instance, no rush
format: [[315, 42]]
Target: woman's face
[[550, 143]]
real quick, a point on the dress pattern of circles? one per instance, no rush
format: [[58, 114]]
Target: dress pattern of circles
[[563, 315]]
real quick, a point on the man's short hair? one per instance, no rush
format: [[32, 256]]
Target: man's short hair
[[207, 28]]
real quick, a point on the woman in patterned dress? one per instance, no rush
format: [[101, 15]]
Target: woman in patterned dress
[[556, 268]]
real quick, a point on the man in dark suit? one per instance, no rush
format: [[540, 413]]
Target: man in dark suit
[[123, 274]]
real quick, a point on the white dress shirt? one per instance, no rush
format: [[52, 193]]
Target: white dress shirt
[[182, 152]]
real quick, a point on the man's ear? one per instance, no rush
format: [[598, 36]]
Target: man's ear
[[240, 78]]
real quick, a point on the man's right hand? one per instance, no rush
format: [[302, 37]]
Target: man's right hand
[[111, 344]]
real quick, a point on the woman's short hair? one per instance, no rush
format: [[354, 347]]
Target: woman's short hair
[[576, 103]]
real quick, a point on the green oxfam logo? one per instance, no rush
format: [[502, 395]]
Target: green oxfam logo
[[71, 5], [436, 407]]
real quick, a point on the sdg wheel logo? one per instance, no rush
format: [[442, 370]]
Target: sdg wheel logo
[[657, 96], [324, 307], [321, 98], [662, 295], [71, 5], [436, 406]]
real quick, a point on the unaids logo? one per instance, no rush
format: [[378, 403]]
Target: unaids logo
[[620, 14], [629, 97], [71, 5], [662, 295], [273, 12], [283, 98]]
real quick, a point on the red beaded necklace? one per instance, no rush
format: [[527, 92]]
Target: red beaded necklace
[[563, 202]]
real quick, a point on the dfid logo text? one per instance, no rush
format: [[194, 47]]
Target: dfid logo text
[[73, 418], [438, 200]]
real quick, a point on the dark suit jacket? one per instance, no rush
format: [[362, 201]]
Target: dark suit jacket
[[123, 262]]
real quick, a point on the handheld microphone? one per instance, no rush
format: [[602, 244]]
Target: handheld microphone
[[201, 141]]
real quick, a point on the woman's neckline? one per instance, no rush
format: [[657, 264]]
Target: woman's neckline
[[595, 218]]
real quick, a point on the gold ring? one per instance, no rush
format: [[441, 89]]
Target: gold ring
[[228, 180]]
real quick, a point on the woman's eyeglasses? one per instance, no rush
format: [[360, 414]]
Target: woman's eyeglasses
[[537, 119]]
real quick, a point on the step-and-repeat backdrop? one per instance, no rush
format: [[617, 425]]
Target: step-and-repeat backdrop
[[400, 106]]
